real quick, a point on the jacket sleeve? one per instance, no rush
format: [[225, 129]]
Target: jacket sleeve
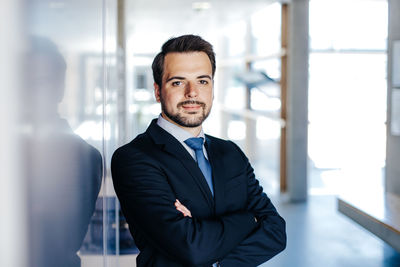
[[268, 239], [147, 201]]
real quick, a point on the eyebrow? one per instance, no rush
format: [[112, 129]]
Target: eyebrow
[[175, 77], [204, 76], [183, 78]]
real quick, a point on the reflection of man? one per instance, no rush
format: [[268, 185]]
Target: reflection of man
[[190, 198], [63, 171]]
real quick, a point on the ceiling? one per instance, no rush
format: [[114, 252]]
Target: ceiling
[[78, 24], [167, 15], [159, 20]]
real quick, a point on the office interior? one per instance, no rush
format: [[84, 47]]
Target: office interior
[[309, 89]]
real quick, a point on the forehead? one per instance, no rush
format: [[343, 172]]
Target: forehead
[[187, 63]]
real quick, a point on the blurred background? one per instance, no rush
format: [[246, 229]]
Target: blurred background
[[310, 90]]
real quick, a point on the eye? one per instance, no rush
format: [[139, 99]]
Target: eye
[[204, 82], [176, 83]]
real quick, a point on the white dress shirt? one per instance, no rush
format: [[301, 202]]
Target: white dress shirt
[[181, 135]]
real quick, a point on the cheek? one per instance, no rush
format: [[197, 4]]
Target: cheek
[[171, 99], [209, 96]]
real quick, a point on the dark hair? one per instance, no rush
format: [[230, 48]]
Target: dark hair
[[182, 44]]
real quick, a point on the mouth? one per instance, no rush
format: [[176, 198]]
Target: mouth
[[191, 105]]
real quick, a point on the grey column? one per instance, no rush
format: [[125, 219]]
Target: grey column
[[392, 183], [13, 224], [297, 100]]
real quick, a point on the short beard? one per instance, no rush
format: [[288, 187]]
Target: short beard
[[187, 122]]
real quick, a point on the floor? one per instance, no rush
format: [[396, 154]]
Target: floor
[[320, 236]]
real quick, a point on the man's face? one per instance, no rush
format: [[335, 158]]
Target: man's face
[[187, 88]]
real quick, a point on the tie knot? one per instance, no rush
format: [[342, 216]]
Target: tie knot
[[195, 143]]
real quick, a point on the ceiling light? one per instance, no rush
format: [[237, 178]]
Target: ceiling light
[[199, 6], [57, 4]]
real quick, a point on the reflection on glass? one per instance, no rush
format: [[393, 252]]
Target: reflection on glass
[[62, 170]]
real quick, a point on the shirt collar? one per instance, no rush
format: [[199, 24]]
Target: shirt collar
[[180, 134]]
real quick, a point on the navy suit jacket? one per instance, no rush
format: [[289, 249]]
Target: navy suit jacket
[[154, 170]]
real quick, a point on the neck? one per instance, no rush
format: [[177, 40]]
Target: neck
[[195, 131]]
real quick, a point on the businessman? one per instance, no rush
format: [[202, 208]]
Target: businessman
[[192, 199], [63, 173]]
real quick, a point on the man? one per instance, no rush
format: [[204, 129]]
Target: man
[[192, 199], [62, 171]]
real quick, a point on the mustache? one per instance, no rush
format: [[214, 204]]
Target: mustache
[[191, 102]]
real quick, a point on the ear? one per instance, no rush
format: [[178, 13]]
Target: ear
[[157, 92]]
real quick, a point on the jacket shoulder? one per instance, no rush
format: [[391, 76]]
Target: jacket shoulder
[[136, 148], [227, 148], [223, 144], [219, 141]]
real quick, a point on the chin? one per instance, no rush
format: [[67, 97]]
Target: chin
[[188, 120], [194, 122]]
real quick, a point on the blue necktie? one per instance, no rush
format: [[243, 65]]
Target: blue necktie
[[196, 143]]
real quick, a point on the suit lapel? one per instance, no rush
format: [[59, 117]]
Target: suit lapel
[[217, 167], [172, 146]]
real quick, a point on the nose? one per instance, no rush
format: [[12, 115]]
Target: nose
[[191, 91]]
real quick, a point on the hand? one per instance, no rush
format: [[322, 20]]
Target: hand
[[182, 209]]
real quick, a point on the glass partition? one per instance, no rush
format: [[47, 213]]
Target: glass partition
[[68, 132], [79, 95]]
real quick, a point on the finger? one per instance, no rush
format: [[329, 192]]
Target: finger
[[185, 209], [182, 209], [179, 206], [183, 212], [187, 212]]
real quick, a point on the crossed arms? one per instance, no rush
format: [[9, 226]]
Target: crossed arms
[[233, 239]]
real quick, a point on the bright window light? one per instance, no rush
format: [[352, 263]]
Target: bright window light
[[237, 130]]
